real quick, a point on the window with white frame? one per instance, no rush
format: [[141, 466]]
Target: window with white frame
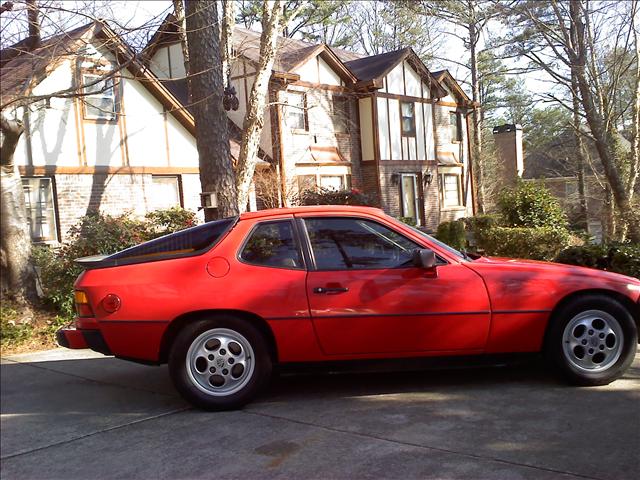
[[100, 97], [166, 191], [40, 209], [451, 191], [296, 115], [332, 182], [455, 121]]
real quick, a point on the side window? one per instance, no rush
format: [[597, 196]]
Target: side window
[[272, 244], [346, 243]]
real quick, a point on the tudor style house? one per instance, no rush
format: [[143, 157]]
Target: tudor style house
[[125, 144], [336, 119]]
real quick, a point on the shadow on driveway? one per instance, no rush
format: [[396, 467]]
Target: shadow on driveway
[[106, 418]]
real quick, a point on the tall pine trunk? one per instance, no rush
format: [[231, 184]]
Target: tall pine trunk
[[603, 136], [207, 88]]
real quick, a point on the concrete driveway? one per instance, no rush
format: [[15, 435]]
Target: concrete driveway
[[78, 415]]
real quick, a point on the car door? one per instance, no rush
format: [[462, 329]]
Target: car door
[[366, 296]]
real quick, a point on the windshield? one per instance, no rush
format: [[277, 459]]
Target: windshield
[[439, 243]]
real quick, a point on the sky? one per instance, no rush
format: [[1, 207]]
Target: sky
[[131, 15]]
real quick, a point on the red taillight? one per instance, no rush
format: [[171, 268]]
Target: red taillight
[[82, 304], [111, 303]]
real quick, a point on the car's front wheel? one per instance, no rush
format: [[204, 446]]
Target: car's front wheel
[[593, 340], [219, 364]]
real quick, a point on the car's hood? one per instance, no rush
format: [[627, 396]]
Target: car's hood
[[560, 268]]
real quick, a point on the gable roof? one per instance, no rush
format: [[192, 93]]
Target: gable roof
[[445, 77], [22, 69], [290, 54], [374, 68], [366, 71]]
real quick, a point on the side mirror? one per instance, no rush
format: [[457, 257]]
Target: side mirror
[[424, 258]]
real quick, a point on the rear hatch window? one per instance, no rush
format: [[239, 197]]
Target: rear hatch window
[[191, 241]]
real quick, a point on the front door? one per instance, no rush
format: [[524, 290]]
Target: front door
[[409, 197], [366, 297]]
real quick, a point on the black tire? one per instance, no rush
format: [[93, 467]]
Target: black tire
[[192, 378], [576, 318]]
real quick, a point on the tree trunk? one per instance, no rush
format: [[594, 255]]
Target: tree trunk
[[17, 273], [476, 116], [604, 139], [254, 119], [228, 22], [178, 11], [212, 135], [580, 150]]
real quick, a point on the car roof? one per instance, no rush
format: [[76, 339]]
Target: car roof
[[311, 209]]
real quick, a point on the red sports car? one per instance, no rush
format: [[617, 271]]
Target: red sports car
[[224, 302]]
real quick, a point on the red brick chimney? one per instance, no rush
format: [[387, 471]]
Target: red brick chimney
[[508, 138]]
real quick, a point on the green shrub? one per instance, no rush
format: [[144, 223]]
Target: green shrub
[[170, 220], [337, 197], [531, 204], [452, 233], [593, 256], [98, 234], [478, 226], [620, 258], [542, 243], [625, 259], [409, 221]]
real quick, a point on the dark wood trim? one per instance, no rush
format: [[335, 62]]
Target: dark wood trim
[[181, 191], [109, 170], [449, 104], [405, 98], [424, 125], [402, 136], [404, 81], [409, 163], [166, 134], [246, 87], [376, 141], [322, 86], [244, 75], [323, 164], [56, 209], [283, 179], [470, 161]]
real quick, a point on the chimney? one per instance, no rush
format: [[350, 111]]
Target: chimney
[[508, 138]]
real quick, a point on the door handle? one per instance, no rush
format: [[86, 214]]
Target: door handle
[[330, 290]]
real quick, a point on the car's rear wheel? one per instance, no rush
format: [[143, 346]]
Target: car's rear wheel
[[219, 364], [592, 340]]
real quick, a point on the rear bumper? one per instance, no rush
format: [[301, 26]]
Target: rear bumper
[[70, 337]]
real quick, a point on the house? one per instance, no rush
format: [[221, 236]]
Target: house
[[557, 167], [336, 120], [126, 145]]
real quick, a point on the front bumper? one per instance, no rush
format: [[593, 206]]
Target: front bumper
[[71, 337]]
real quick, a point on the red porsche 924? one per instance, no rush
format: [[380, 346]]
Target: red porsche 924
[[224, 302]]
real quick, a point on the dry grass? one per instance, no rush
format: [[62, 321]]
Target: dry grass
[[23, 330]]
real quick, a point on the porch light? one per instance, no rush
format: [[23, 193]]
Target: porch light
[[209, 200], [427, 178]]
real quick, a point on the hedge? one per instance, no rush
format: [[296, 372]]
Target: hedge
[[620, 258], [543, 243]]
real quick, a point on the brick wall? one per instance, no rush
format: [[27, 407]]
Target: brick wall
[[112, 194]]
